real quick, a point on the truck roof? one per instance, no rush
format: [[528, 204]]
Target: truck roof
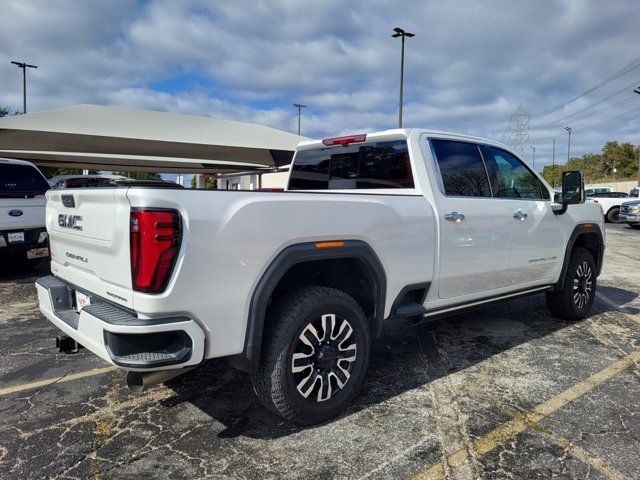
[[397, 133], [15, 162]]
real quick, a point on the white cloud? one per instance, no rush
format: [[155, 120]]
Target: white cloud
[[467, 69]]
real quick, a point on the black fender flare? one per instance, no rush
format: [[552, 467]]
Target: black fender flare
[[249, 359], [581, 229]]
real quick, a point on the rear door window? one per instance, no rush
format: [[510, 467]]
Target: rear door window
[[461, 167], [21, 180], [357, 166]]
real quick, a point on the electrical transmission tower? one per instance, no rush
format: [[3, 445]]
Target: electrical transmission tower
[[519, 129]]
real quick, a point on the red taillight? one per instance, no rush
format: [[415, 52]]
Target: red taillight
[[155, 242], [330, 142]]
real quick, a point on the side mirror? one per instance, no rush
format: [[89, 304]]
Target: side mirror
[[572, 187]]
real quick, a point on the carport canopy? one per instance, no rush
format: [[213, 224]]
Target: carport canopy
[[114, 138]]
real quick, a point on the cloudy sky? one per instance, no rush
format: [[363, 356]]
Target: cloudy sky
[[469, 66]]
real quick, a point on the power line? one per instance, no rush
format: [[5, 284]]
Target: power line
[[633, 65], [506, 129], [520, 128], [586, 116], [629, 115], [608, 97]]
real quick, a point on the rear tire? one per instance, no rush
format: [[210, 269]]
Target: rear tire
[[314, 355], [635, 225], [573, 301], [613, 215]]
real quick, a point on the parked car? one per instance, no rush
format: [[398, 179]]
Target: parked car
[[630, 213], [610, 204], [293, 287], [592, 192], [634, 192], [23, 236]]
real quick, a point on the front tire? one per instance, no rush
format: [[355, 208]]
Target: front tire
[[613, 215], [314, 356], [573, 301]]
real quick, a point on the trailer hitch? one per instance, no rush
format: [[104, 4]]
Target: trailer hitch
[[66, 344]]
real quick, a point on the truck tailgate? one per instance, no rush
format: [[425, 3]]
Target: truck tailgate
[[89, 236]]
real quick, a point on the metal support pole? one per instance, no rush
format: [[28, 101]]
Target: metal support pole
[[401, 84], [401, 33], [553, 163], [24, 90], [533, 162], [299, 106], [24, 66]]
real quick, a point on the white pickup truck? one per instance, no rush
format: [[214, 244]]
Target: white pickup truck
[[23, 237], [610, 203], [293, 286]]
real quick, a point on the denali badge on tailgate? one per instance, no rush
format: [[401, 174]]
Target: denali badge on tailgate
[[66, 220]]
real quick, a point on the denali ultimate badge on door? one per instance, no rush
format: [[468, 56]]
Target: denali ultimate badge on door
[[15, 213], [66, 220]]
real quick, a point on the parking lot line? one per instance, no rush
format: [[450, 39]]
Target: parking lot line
[[581, 454], [523, 421], [618, 308], [49, 381]]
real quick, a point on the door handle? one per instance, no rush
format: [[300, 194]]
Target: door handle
[[454, 217], [519, 215]]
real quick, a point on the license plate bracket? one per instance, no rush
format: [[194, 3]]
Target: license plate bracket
[[82, 300], [34, 253]]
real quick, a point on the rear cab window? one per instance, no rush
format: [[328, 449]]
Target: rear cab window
[[461, 169], [375, 165], [18, 180]]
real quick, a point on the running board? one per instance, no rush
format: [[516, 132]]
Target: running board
[[455, 309]]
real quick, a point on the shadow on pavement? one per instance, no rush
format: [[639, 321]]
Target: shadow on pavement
[[620, 297], [406, 357], [23, 271]]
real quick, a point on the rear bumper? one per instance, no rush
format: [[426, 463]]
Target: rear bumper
[[36, 241], [119, 336]]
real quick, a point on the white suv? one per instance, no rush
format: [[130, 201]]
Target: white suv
[[23, 236]]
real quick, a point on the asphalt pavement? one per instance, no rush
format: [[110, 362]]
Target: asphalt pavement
[[504, 392]]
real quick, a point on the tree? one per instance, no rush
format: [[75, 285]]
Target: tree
[[210, 182], [6, 111], [616, 161]]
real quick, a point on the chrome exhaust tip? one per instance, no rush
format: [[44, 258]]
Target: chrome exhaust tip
[[138, 382]]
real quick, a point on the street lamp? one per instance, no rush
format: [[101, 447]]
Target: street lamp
[[637, 90], [553, 164], [534, 157], [568, 144], [24, 67], [299, 106], [401, 33]]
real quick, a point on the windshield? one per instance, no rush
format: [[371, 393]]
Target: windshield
[[21, 181]]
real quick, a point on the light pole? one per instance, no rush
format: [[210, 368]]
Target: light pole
[[299, 106], [24, 67], [637, 90], [553, 164], [401, 33], [534, 157], [568, 144]]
